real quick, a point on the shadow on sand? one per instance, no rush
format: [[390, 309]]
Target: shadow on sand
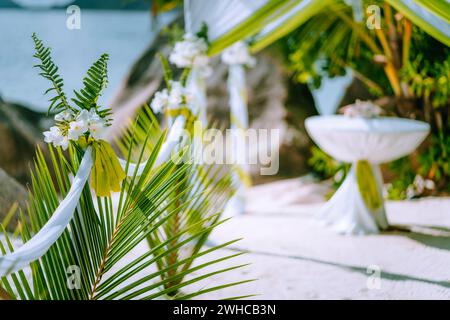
[[432, 236]]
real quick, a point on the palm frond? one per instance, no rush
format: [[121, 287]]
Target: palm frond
[[103, 239], [203, 191]]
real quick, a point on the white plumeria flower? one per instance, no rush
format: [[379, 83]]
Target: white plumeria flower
[[238, 54], [64, 116], [84, 115], [160, 101], [177, 92], [55, 136], [190, 52], [165, 100], [97, 129], [94, 116], [52, 134], [63, 143], [201, 65], [76, 129], [362, 109]]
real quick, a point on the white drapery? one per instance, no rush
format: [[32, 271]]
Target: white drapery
[[228, 18], [55, 226], [220, 16], [239, 123], [197, 88], [37, 246], [351, 140]]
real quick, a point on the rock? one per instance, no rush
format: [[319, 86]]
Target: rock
[[275, 102], [11, 192], [21, 131]]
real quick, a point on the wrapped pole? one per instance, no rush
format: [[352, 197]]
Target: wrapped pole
[[238, 57]]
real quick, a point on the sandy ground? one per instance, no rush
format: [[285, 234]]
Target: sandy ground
[[294, 258]]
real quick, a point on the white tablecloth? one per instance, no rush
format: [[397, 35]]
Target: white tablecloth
[[350, 140]]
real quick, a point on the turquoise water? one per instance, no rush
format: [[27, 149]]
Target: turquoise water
[[122, 34]]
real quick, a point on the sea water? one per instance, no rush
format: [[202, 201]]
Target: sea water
[[124, 35]]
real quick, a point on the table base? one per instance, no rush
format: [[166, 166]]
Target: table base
[[347, 213]]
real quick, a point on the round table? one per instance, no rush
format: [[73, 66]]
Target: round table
[[357, 206]]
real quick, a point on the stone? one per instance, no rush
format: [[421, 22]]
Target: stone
[[11, 193], [21, 132]]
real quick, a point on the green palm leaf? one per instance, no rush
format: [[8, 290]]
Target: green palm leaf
[[103, 235]]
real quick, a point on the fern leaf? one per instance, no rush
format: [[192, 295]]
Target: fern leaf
[[94, 83], [50, 71]]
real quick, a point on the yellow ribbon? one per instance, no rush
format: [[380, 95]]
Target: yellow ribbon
[[107, 173], [186, 113], [367, 185]]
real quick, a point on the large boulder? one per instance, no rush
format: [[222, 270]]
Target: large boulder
[[21, 132], [13, 196]]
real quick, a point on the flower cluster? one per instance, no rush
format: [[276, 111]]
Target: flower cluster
[[419, 186], [191, 53], [71, 126], [170, 99], [362, 109], [238, 54]]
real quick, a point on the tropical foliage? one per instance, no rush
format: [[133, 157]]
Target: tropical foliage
[[398, 49], [398, 62], [173, 207]]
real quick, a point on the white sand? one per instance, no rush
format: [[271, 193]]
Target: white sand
[[294, 258]]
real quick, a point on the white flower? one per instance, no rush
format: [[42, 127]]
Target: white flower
[[201, 65], [238, 53], [88, 120], [94, 117], [421, 184], [84, 115], [429, 184], [410, 193], [362, 109], [54, 134], [190, 52], [160, 101], [65, 115], [76, 129], [177, 92], [97, 129], [63, 143], [170, 100]]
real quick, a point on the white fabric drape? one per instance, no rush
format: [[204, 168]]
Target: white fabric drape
[[37, 246], [220, 16], [225, 15], [283, 19], [197, 88], [376, 140], [55, 226], [239, 123]]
